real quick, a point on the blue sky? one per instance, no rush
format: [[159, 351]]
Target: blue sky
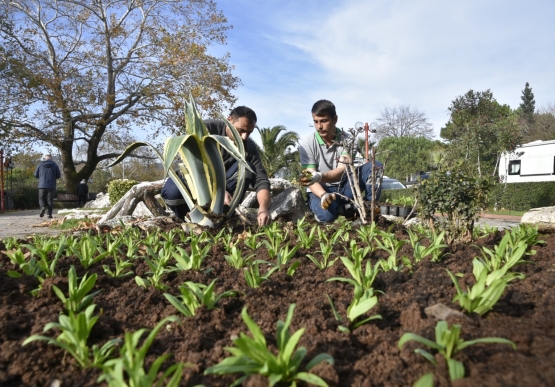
[[366, 55]]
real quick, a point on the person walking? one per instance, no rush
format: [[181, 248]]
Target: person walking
[[47, 172], [82, 193]]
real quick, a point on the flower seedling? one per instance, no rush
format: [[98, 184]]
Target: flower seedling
[[306, 239], [367, 233], [194, 295], [78, 298], [251, 355], [275, 239], [357, 308], [87, 250], [252, 241], [120, 267], [391, 245], [192, 261], [326, 250], [17, 257], [75, 331], [129, 369], [236, 258], [362, 280], [506, 255], [252, 274], [448, 343], [43, 263], [157, 270], [435, 248], [481, 298], [285, 255]]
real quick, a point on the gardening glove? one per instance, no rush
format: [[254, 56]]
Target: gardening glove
[[307, 180], [326, 200]]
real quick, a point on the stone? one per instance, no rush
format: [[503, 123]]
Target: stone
[[142, 211], [249, 201], [279, 185], [102, 201], [543, 218], [289, 205], [116, 222], [442, 312]]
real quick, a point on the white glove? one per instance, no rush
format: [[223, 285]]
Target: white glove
[[316, 178], [326, 200]]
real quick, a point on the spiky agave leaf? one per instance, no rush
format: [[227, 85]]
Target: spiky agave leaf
[[174, 176]]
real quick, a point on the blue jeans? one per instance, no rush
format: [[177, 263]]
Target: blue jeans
[[364, 173], [171, 192]]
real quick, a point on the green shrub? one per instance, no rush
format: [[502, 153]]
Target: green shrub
[[25, 198], [523, 196], [459, 196], [118, 188]]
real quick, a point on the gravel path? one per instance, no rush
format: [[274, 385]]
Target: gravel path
[[21, 224]]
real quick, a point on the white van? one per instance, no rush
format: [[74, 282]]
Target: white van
[[530, 162]]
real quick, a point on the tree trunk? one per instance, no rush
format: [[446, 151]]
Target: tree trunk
[[142, 192]]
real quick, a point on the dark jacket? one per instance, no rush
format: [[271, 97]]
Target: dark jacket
[[251, 154], [47, 172], [82, 189]]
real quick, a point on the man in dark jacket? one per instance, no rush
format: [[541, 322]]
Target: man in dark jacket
[[244, 120], [47, 172], [82, 192]]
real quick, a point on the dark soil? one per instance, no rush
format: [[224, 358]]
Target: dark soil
[[368, 356]]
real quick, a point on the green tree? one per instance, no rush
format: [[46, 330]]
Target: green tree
[[83, 70], [275, 151], [479, 130], [528, 105], [404, 156]]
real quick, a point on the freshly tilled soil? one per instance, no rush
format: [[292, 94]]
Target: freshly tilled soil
[[367, 356]]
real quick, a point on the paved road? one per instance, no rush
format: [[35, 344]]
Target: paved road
[[24, 223]]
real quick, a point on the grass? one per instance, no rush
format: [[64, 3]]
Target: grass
[[504, 212]]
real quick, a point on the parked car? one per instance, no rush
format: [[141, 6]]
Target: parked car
[[389, 183], [419, 178]]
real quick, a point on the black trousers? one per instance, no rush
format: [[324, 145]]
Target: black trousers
[[46, 199], [82, 200]]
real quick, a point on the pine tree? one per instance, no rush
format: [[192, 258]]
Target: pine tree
[[528, 104]]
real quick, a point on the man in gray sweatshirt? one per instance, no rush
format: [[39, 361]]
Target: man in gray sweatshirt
[[47, 172]]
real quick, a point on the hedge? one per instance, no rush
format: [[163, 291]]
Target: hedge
[[25, 198], [118, 188], [511, 197], [524, 196]]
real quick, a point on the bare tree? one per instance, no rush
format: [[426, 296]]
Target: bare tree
[[404, 121], [539, 126]]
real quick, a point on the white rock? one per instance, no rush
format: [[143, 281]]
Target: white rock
[[142, 211], [102, 201], [543, 217]]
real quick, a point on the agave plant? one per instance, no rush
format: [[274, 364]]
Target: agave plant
[[202, 167]]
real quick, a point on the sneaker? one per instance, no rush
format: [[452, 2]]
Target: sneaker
[[42, 211], [50, 216]]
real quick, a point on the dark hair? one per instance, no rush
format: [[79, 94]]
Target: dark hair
[[243, 111], [323, 108]]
